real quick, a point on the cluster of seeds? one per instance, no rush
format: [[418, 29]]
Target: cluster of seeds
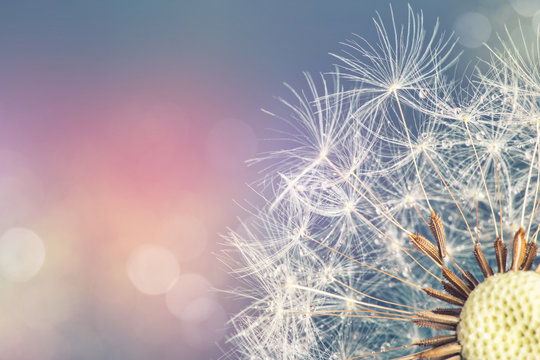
[[399, 214], [501, 318]]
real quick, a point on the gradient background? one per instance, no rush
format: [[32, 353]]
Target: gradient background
[[124, 127]]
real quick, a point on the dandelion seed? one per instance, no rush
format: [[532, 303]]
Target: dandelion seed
[[402, 223]]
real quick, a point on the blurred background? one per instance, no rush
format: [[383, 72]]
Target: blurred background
[[124, 130]]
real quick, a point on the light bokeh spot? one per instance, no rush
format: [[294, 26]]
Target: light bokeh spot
[[185, 235], [190, 299], [22, 254], [472, 29], [152, 269], [208, 332], [535, 22], [525, 7]]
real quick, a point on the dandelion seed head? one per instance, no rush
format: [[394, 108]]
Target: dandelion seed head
[[473, 29], [525, 7], [394, 87], [349, 207], [492, 307], [513, 226], [494, 149], [402, 191]]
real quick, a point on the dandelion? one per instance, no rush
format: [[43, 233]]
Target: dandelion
[[406, 59], [402, 221]]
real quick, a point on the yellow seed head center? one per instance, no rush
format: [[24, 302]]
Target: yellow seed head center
[[501, 318]]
